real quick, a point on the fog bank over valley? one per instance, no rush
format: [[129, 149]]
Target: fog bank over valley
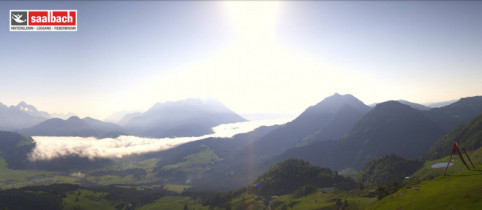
[[49, 147]]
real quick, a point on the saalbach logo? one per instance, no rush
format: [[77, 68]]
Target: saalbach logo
[[43, 20]]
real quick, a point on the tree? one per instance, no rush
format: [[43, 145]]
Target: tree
[[284, 207]]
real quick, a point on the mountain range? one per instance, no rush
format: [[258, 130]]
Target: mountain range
[[390, 127], [469, 136], [327, 120], [20, 116], [74, 126], [190, 117], [296, 162], [340, 132]]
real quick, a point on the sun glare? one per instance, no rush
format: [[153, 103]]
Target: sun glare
[[253, 20], [254, 70]]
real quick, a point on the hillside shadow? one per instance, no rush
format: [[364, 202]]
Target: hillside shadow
[[471, 173]]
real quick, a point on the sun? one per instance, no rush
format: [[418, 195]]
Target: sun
[[254, 72], [253, 20]]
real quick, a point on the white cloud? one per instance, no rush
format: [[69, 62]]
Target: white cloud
[[49, 147]]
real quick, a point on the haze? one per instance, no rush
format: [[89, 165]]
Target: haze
[[254, 57]]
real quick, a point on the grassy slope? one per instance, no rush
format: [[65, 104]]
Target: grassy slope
[[112, 180], [173, 202], [462, 190], [318, 199], [86, 200], [195, 162], [10, 178], [247, 201], [128, 163], [458, 175], [176, 187], [426, 171], [461, 185]]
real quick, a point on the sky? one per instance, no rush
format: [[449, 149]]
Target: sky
[[255, 57]]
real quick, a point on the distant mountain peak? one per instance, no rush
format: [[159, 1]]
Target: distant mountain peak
[[392, 105], [22, 106], [472, 98], [341, 96], [191, 104], [73, 126], [335, 102], [188, 117], [20, 116], [414, 105], [326, 120], [186, 101], [405, 102], [22, 103], [441, 103], [73, 118]]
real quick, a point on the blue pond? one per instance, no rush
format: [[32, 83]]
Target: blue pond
[[440, 165]]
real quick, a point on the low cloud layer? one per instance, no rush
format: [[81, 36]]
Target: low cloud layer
[[49, 147]]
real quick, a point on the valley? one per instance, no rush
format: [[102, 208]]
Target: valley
[[385, 150]]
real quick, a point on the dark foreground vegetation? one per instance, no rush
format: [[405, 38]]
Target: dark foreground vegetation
[[54, 196]]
